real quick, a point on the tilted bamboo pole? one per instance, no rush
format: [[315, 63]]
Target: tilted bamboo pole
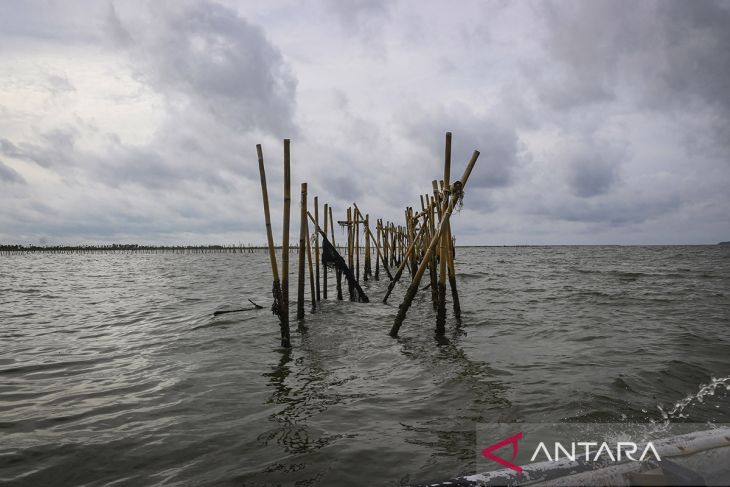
[[316, 247], [332, 228], [276, 287], [302, 252], [285, 339], [413, 288]]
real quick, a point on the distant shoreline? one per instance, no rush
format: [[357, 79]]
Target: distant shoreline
[[252, 248]]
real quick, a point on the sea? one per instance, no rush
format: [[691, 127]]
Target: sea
[[115, 371]]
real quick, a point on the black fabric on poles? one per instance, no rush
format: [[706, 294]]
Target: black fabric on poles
[[332, 259]]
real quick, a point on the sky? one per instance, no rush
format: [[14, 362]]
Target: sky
[[598, 122]]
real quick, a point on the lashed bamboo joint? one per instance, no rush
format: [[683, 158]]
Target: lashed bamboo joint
[[423, 242]]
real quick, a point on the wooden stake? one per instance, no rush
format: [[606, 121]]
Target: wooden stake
[[377, 261], [443, 248], [399, 272], [367, 272], [311, 270], [302, 252], [413, 288], [449, 253], [332, 229], [276, 287], [316, 246], [285, 339], [432, 261], [324, 269], [377, 247], [452, 276], [338, 275], [356, 229]]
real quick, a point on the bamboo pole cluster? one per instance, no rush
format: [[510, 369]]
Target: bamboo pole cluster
[[423, 242]]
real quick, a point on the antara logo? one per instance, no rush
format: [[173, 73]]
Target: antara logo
[[623, 449], [627, 448], [487, 452]]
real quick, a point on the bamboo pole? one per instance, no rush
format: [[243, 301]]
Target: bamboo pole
[[447, 160], [350, 260], [443, 248], [324, 269], [413, 288], [316, 247], [431, 262], [350, 257], [452, 275], [435, 257], [355, 285], [302, 252], [338, 275], [285, 339], [367, 271], [311, 270], [448, 243], [377, 261], [412, 238], [276, 287], [402, 266], [386, 242], [332, 228], [351, 249], [377, 247], [356, 228]]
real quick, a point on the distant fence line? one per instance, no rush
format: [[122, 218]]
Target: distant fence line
[[133, 248]]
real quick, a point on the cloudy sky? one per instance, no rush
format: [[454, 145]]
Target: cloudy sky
[[598, 121]]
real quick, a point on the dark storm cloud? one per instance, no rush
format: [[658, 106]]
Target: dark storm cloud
[[665, 54], [219, 62], [155, 166], [591, 177], [613, 211], [697, 36], [10, 175], [593, 170]]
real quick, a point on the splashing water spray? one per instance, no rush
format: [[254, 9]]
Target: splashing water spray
[[706, 390]]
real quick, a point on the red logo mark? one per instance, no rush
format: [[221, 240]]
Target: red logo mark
[[487, 452]]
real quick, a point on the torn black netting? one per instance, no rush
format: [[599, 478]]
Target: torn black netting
[[276, 291], [332, 259]]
